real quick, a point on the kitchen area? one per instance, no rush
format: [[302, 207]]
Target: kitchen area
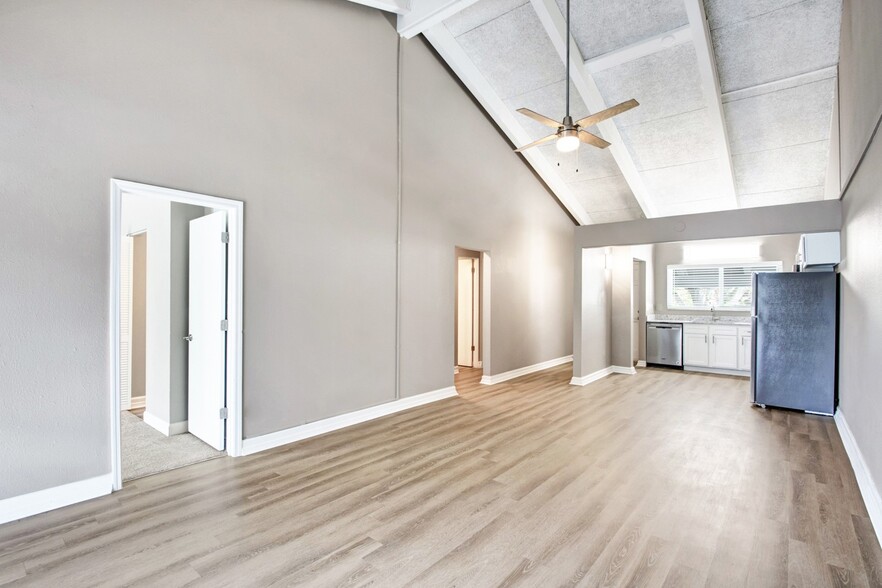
[[762, 308]]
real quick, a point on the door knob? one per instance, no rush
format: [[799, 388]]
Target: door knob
[[188, 338]]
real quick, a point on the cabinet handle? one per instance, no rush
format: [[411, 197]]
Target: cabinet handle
[[705, 338], [714, 339]]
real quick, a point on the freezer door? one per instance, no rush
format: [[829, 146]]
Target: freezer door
[[795, 338]]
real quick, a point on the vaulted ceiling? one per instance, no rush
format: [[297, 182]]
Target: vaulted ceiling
[[737, 97]]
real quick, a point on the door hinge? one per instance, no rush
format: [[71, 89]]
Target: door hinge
[[225, 237], [223, 413], [225, 324]]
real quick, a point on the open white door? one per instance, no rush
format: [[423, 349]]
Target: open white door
[[465, 319], [206, 389]]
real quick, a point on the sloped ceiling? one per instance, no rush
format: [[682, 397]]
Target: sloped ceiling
[[757, 127]]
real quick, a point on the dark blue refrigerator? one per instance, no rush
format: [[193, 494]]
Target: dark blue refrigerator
[[793, 362]]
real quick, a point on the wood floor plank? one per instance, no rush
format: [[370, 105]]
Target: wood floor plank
[[664, 478]]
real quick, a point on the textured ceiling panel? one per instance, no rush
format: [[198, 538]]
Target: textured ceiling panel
[[616, 216], [780, 119], [514, 53], [665, 83], [796, 39], [726, 12], [549, 100], [673, 140], [782, 197], [601, 26], [685, 183], [481, 12], [800, 166], [592, 163], [604, 194]]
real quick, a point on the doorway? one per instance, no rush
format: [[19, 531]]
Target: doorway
[[638, 313], [469, 310], [176, 329]]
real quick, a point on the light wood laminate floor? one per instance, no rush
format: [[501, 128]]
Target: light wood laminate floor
[[658, 479]]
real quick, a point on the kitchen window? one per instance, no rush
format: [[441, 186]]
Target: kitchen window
[[720, 286]]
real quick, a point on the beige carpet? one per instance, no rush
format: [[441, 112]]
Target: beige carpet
[[146, 451]]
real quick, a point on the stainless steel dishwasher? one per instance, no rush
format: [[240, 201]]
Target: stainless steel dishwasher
[[664, 343]]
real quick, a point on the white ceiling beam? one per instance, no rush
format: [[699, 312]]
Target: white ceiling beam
[[425, 14], [396, 6], [465, 69], [710, 85], [783, 84], [556, 27], [639, 49]]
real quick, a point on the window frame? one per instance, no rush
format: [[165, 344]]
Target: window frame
[[669, 291]]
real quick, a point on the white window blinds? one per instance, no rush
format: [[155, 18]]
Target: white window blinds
[[701, 287]]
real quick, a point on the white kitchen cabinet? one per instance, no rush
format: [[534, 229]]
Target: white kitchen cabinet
[[744, 348], [695, 345], [723, 350]]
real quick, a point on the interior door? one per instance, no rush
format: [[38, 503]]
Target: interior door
[[206, 389], [465, 312]]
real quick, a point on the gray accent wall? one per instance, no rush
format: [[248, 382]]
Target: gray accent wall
[[291, 108], [860, 94]]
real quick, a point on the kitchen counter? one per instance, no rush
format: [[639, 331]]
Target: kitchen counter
[[735, 321]]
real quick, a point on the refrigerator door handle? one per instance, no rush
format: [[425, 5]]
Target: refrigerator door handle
[[753, 341]]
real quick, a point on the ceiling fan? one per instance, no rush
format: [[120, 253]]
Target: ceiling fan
[[569, 134]]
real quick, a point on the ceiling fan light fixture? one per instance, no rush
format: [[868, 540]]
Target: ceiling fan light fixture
[[568, 141]]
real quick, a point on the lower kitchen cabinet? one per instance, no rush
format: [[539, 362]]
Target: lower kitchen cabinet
[[695, 346], [723, 347]]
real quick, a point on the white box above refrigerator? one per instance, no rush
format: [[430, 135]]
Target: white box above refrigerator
[[818, 252]]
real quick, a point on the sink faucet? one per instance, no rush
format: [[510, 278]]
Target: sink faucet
[[714, 317]]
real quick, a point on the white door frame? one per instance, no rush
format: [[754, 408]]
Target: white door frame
[[235, 224]]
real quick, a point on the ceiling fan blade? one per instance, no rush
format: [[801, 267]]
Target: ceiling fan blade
[[608, 113], [540, 118], [592, 139], [541, 141]]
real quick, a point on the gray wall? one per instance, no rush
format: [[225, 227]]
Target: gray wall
[[238, 105], [592, 317], [860, 88], [621, 309], [772, 248]]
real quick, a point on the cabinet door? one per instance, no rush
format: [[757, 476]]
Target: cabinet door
[[744, 350], [724, 351], [695, 349]]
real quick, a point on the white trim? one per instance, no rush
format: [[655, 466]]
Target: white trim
[[783, 84], [26, 505], [235, 309], [555, 26], [627, 371], [138, 402], [639, 49], [314, 429], [710, 81], [166, 428], [452, 53], [641, 363], [425, 14], [718, 371], [866, 484], [536, 367], [585, 380]]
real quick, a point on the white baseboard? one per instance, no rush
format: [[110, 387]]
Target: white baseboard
[[718, 371], [628, 371], [869, 489], [641, 363], [167, 429], [314, 429], [19, 507], [585, 380], [536, 367], [138, 402]]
